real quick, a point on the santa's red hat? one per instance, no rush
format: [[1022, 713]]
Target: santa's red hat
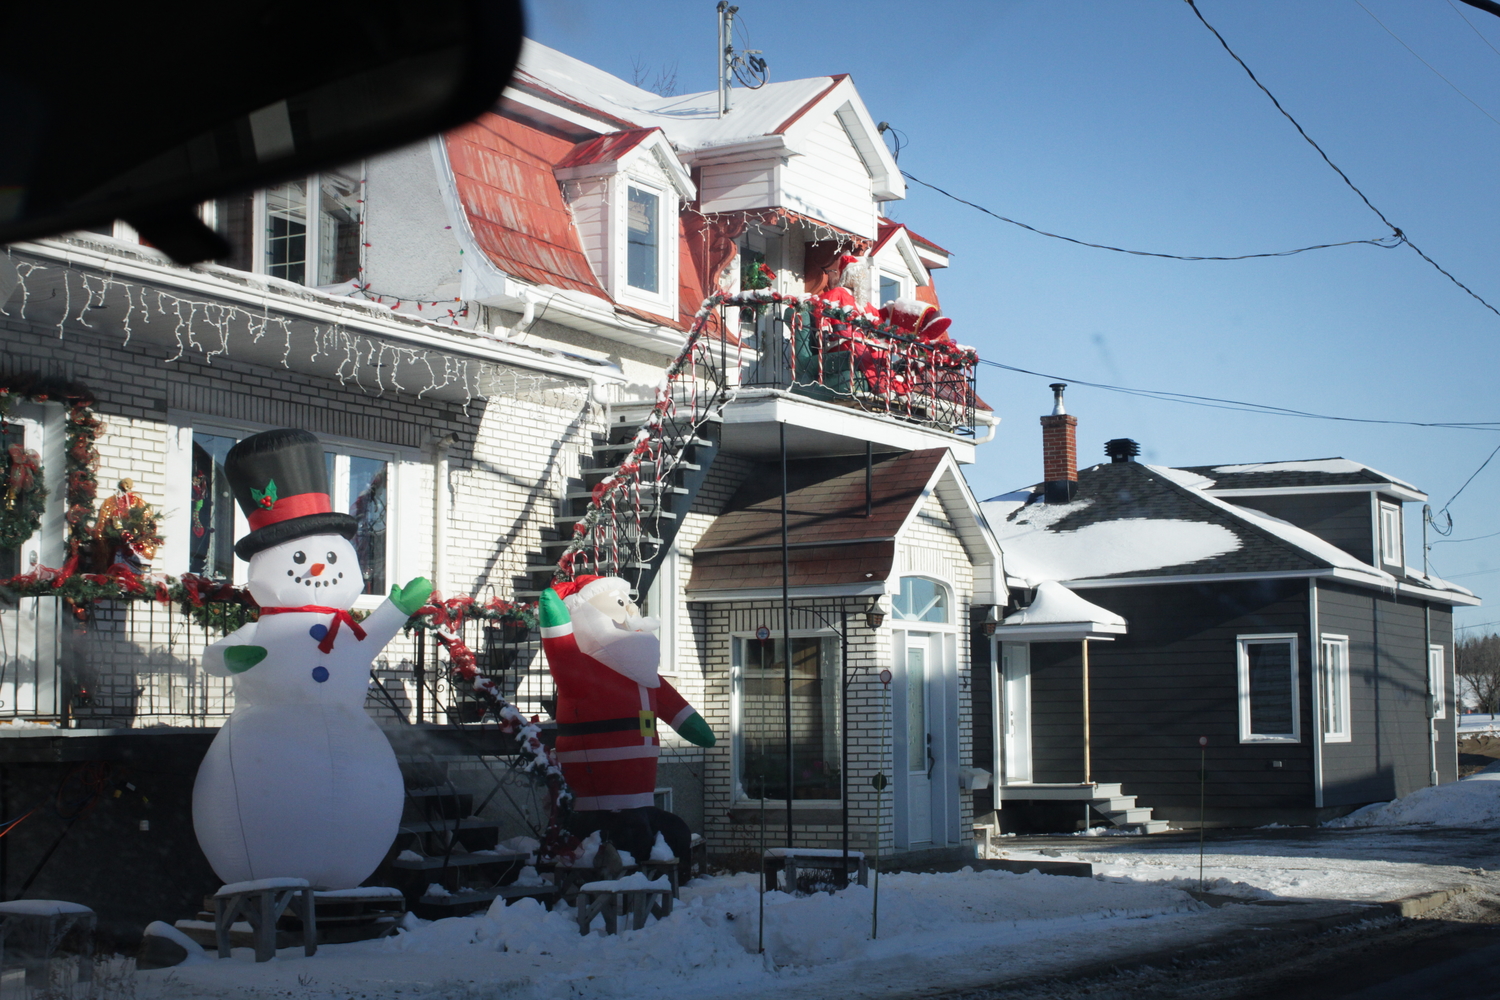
[[583, 588]]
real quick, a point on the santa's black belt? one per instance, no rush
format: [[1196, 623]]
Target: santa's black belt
[[597, 726]]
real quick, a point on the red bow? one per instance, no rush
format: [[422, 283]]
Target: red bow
[[340, 617]]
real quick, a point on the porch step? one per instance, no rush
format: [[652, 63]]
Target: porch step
[[1121, 811]]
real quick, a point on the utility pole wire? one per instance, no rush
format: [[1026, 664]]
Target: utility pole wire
[[1474, 29], [1429, 65], [1493, 8]]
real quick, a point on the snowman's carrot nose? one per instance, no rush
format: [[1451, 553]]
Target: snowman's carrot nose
[[315, 569]]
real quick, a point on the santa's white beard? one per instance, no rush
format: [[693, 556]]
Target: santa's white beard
[[631, 650]]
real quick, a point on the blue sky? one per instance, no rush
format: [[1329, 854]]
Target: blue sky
[[1125, 123]]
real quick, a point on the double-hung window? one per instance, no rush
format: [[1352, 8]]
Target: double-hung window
[[305, 230], [1335, 689], [1437, 681], [1267, 674], [1390, 534], [643, 240], [760, 737]]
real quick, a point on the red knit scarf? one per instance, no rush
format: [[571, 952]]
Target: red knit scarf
[[340, 617]]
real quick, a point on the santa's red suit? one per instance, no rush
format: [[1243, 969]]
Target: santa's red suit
[[608, 703]]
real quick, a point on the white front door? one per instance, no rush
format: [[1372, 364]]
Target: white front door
[[1015, 709], [29, 627], [922, 667]]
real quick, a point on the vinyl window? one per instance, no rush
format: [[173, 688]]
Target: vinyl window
[[1390, 534], [759, 712], [1267, 669], [1335, 653], [643, 240], [306, 230]]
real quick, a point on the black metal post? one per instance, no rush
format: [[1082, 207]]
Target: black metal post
[[869, 476], [420, 670], [786, 636], [844, 731]]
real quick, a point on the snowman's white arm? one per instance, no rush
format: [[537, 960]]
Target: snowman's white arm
[[213, 653], [383, 625]]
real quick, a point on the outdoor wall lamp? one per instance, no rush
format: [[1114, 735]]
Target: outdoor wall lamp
[[990, 621], [875, 614]]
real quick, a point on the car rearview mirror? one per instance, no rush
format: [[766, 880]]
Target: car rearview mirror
[[140, 112]]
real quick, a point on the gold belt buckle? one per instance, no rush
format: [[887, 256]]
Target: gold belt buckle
[[648, 723]]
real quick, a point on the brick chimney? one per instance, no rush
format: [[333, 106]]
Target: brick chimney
[[1059, 449]]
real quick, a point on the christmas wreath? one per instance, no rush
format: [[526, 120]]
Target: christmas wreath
[[25, 497]]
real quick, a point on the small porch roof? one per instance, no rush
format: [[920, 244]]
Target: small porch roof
[[1057, 614]]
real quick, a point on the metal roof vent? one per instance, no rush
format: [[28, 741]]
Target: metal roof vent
[[1121, 449]]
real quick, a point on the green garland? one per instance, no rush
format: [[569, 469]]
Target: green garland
[[81, 457], [24, 498]]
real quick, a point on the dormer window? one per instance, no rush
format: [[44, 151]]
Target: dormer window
[[643, 240], [624, 190], [1390, 535]]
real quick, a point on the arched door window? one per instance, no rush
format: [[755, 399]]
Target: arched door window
[[921, 600]]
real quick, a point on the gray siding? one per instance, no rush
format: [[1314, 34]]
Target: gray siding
[[981, 673], [1388, 754], [1342, 519], [1172, 679]]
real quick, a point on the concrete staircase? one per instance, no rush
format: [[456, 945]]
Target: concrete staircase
[[1110, 803]]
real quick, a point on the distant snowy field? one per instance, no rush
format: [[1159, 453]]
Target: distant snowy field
[[1474, 724]]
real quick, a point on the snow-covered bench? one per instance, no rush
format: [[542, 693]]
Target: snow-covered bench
[[33, 930], [787, 860], [262, 901], [634, 895]]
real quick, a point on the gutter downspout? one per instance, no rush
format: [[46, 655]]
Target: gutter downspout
[[1315, 655], [440, 514], [1088, 763], [1432, 707]]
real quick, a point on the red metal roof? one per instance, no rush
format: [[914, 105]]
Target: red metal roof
[[606, 148], [503, 171]]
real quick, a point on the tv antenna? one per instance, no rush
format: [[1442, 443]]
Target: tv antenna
[[746, 66]]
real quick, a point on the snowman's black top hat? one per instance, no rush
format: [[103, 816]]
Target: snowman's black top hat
[[281, 483]]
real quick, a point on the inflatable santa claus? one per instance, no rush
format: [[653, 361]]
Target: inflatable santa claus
[[603, 655]]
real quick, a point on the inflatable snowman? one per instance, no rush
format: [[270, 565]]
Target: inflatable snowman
[[300, 782]]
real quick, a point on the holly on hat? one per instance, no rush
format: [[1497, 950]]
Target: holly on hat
[[280, 481]]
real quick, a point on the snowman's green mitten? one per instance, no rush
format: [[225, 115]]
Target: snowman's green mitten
[[551, 611], [410, 598], [696, 731], [238, 659]]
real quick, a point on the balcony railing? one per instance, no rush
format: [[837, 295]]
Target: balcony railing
[[129, 664], [809, 348]]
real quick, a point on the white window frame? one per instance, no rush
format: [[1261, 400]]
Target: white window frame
[[918, 624], [208, 212], [1242, 659], [736, 695], [1391, 548], [179, 466], [1335, 680], [903, 284], [662, 301], [1437, 680]]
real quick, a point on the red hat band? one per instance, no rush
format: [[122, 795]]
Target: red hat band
[[286, 508]]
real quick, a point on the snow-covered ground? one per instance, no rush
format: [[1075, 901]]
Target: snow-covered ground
[[958, 930], [1474, 723]]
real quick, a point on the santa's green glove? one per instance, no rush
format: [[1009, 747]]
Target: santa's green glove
[[238, 659], [696, 731], [410, 598], [551, 611]]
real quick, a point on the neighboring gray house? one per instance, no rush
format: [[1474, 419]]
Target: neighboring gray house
[[1267, 608]]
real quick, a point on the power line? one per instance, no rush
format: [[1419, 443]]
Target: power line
[[1429, 65], [1476, 538], [1396, 230], [1384, 242], [1473, 28], [1479, 625], [1217, 403], [1470, 479]]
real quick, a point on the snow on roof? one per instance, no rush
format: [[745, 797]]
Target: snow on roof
[[1325, 466], [1182, 477], [1104, 548], [690, 120], [1055, 604]]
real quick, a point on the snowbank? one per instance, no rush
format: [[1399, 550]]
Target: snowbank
[[1469, 802]]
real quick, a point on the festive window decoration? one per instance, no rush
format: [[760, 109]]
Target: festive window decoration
[[127, 528], [81, 429], [25, 496]]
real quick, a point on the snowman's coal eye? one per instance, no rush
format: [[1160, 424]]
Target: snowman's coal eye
[[299, 558], [332, 558]]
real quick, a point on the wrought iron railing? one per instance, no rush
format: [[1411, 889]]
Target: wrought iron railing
[[803, 346]]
